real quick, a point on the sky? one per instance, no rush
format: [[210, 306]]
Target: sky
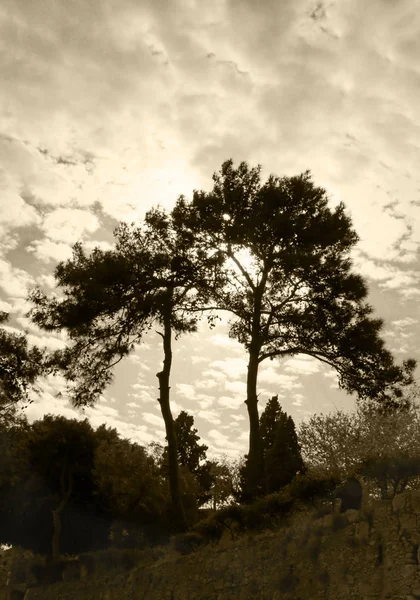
[[108, 108]]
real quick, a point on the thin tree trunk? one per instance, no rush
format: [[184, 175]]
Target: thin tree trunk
[[254, 462], [163, 377], [57, 512]]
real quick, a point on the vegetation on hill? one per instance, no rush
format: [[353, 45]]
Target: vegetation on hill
[[276, 257]]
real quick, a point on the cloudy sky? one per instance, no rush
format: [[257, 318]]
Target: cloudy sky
[[110, 107]]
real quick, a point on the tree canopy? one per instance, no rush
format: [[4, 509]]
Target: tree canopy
[[20, 366], [274, 254], [290, 286]]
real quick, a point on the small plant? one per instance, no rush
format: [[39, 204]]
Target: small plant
[[231, 518], [185, 543], [313, 549], [352, 542], [288, 583], [210, 530], [323, 578], [338, 522], [110, 559], [367, 514], [380, 555], [322, 511]]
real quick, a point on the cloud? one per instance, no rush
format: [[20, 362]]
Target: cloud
[[209, 415], [15, 212], [302, 365], [133, 405], [405, 322], [206, 383], [153, 420], [219, 376], [222, 441], [271, 376], [229, 402], [5, 306], [298, 400], [68, 225], [49, 251], [231, 367], [186, 390], [83, 82], [205, 401], [226, 342], [236, 387], [237, 417], [198, 359], [15, 282], [49, 341]]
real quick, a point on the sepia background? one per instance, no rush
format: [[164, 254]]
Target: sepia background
[[109, 108]]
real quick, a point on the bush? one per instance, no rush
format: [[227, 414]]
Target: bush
[[308, 488], [185, 543], [313, 549], [338, 522], [111, 559], [210, 529], [288, 583], [231, 518]]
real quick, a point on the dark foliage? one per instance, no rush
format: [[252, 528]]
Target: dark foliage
[[20, 366], [350, 493], [299, 295]]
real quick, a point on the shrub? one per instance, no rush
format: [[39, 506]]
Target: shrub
[[338, 522], [111, 559], [185, 543], [288, 583], [232, 518], [210, 530], [308, 488], [313, 549], [367, 514], [323, 577]]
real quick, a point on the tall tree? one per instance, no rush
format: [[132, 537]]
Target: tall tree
[[112, 298], [291, 290]]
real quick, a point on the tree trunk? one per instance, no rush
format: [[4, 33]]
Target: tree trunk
[[66, 488], [163, 400], [254, 458], [56, 514]]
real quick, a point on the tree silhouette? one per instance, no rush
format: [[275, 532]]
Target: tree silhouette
[[291, 289], [152, 278], [281, 458], [61, 453], [280, 448]]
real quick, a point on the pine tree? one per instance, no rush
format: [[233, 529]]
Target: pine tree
[[280, 451]]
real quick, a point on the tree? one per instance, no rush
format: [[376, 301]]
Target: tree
[[280, 452], [130, 487], [192, 455], [19, 368], [382, 446], [112, 298], [329, 443], [61, 453], [221, 472], [291, 290], [282, 459]]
